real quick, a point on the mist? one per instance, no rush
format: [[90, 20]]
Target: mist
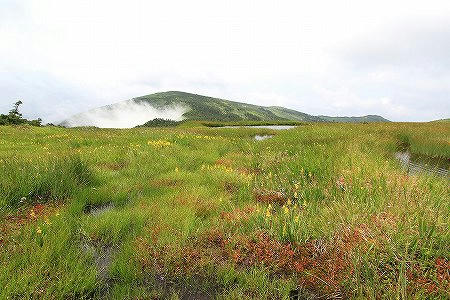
[[126, 114]]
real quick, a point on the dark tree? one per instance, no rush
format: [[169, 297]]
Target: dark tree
[[14, 117], [15, 110]]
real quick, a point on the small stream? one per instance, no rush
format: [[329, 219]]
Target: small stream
[[415, 164]]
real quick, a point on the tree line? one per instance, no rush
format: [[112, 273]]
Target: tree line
[[14, 117]]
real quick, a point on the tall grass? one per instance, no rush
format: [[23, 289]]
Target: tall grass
[[25, 182], [322, 210]]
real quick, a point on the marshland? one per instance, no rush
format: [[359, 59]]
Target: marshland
[[320, 210]]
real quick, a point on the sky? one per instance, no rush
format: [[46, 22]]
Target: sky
[[338, 58]]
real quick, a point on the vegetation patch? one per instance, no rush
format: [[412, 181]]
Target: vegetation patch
[[323, 210], [27, 182]]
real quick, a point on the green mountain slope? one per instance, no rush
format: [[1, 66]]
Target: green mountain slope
[[368, 118], [194, 107], [214, 109]]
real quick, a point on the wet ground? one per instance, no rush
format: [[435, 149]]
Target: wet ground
[[262, 137], [415, 164], [101, 253], [274, 127]]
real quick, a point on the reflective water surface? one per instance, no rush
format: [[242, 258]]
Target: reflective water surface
[[274, 127], [262, 137], [415, 164]]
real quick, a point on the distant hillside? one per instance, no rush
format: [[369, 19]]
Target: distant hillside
[[368, 118], [185, 106], [214, 109], [441, 120]]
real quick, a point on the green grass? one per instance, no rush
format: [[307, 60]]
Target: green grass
[[319, 210]]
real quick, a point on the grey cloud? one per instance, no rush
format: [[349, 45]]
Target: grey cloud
[[43, 95], [401, 72], [423, 44]]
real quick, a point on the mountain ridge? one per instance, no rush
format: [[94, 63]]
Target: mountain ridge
[[204, 108]]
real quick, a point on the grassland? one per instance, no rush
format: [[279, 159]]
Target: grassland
[[322, 210]]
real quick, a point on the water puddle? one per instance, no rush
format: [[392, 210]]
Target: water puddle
[[259, 137], [274, 127], [96, 210], [415, 164], [263, 137], [101, 253]]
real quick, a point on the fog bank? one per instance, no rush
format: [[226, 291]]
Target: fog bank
[[124, 115]]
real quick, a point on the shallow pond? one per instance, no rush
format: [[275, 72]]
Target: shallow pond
[[266, 136], [415, 164], [274, 127], [262, 137], [98, 209]]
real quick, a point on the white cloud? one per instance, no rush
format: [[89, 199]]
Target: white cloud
[[125, 115], [321, 57]]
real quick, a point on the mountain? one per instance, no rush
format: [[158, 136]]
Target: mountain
[[177, 106], [206, 108], [442, 120], [368, 118]]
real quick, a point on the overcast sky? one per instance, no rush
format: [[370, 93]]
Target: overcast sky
[[344, 58]]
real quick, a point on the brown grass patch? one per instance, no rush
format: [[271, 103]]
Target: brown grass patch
[[249, 171], [230, 187], [12, 223], [322, 267], [224, 162], [116, 166], [172, 183], [422, 278], [202, 207], [238, 214], [317, 265], [273, 197], [189, 259]]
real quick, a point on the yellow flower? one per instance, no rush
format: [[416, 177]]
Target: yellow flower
[[268, 212], [176, 169], [289, 202], [286, 210], [32, 214], [38, 230], [297, 218], [158, 143]]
